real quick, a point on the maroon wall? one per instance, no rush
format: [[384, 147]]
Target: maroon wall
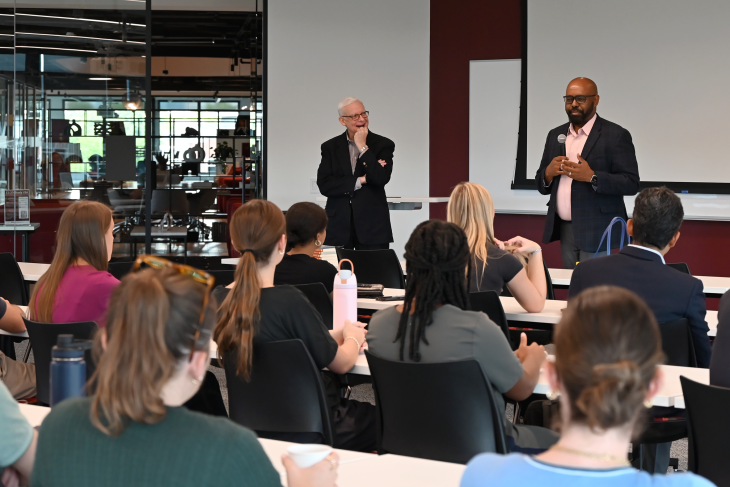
[[491, 29]]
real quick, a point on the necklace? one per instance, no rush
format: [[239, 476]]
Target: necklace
[[604, 457]]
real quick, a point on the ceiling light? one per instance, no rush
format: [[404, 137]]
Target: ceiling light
[[76, 18], [100, 79], [133, 101], [54, 48], [71, 34]]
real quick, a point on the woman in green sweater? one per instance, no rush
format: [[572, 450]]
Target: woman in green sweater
[[134, 430]]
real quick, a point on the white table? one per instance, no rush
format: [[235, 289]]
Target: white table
[[34, 414], [24, 229], [275, 449], [712, 284], [32, 271], [405, 202], [398, 471], [550, 314], [329, 254]]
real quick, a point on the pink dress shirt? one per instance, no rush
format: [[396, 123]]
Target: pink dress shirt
[[573, 146]]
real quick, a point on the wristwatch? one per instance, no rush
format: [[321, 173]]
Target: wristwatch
[[364, 148], [594, 180]]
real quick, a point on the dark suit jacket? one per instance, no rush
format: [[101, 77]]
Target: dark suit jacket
[[720, 363], [671, 294], [369, 206], [610, 153]]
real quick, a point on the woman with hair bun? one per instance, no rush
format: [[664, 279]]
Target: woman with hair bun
[[607, 353], [306, 229]]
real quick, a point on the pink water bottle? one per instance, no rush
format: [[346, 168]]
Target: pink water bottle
[[344, 296]]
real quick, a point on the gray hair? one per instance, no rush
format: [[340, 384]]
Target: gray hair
[[347, 101]]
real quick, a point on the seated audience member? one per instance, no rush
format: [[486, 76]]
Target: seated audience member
[[492, 267], [18, 377], [607, 349], [17, 442], [77, 286], [670, 294], [720, 361], [254, 311], [306, 229], [132, 431], [434, 326]]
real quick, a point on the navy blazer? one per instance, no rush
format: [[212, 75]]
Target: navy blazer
[[369, 205], [671, 294], [610, 153], [720, 363]]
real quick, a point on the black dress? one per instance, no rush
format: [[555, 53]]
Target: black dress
[[303, 269], [285, 314]]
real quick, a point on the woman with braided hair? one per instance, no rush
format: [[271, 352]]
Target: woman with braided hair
[[607, 352], [434, 325]]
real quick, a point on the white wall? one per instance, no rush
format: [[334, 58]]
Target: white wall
[[320, 51]]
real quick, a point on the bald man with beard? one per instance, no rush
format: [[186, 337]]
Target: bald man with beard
[[587, 178]]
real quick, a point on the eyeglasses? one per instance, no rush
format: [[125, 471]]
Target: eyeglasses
[[196, 274], [579, 98], [357, 116]]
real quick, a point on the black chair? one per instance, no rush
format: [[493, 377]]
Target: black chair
[[12, 283], [222, 277], [120, 269], [285, 398], [708, 424], [43, 337], [681, 267], [679, 349], [375, 266], [441, 411], [550, 293], [488, 302], [320, 299]]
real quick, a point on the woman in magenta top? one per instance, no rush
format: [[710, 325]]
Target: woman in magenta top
[[77, 286]]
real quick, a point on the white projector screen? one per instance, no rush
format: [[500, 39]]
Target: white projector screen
[[662, 73]]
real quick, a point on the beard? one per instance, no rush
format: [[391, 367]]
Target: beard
[[581, 117]]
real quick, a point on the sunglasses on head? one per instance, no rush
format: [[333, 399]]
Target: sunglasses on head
[[196, 274]]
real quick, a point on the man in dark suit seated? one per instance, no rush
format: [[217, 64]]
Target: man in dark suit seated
[[355, 168], [720, 362], [640, 267]]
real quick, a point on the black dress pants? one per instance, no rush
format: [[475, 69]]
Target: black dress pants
[[354, 243]]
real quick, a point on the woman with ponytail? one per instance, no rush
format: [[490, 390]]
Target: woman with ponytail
[[134, 429], [607, 352], [77, 286], [254, 311], [434, 325]]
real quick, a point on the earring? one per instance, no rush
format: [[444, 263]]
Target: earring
[[195, 382], [281, 252], [647, 404], [552, 395], [317, 243]]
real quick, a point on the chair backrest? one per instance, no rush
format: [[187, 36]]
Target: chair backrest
[[549, 281], [222, 277], [677, 343], [317, 294], [43, 337], [707, 427], [440, 411], [488, 302], [681, 267], [285, 394], [12, 283], [173, 200], [375, 266], [120, 269]]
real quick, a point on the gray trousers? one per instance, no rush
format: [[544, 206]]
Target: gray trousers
[[18, 377], [570, 251]]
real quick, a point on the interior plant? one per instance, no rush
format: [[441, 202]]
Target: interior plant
[[223, 151]]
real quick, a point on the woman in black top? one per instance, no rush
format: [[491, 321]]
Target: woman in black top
[[254, 311], [306, 229]]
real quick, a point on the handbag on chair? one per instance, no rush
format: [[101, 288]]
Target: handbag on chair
[[607, 236]]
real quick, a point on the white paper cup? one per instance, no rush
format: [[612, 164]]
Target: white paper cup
[[307, 455]]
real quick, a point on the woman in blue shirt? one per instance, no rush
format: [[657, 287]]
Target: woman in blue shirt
[[607, 349]]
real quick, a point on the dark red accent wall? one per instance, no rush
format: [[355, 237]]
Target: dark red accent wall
[[491, 29]]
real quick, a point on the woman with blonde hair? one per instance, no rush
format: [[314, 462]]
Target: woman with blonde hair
[[493, 267], [254, 311], [607, 353], [77, 286], [134, 430]]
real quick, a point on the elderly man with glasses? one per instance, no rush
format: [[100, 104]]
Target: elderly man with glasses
[[353, 173], [588, 166]]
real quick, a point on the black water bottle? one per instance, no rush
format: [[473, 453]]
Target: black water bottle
[[68, 368]]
